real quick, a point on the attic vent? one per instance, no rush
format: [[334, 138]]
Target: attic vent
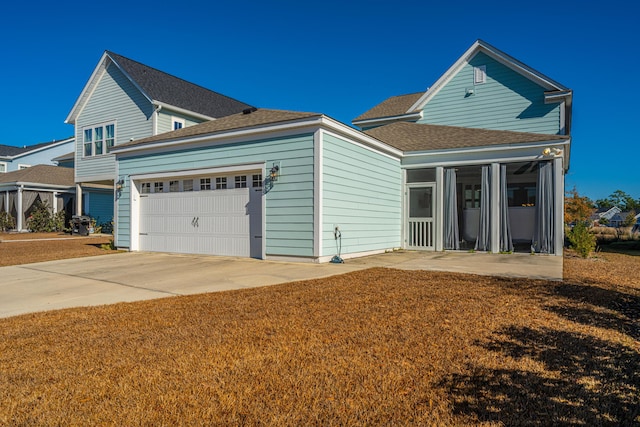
[[249, 110], [479, 74]]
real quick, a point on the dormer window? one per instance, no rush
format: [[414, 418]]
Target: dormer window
[[479, 75], [177, 123], [98, 140]]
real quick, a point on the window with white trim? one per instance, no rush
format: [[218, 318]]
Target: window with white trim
[[221, 183], [241, 181], [479, 74], [23, 166], [3, 167], [174, 186], [98, 140], [177, 123], [145, 188], [158, 187], [205, 184], [257, 180]]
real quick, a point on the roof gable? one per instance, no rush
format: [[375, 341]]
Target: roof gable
[[391, 106], [161, 88]]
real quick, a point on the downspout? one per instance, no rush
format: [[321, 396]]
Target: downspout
[[154, 119]]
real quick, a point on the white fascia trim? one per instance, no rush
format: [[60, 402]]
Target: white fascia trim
[[221, 137], [498, 55], [505, 147], [361, 137], [318, 154], [87, 90], [46, 147], [553, 98], [42, 187], [182, 111], [206, 171], [416, 115]]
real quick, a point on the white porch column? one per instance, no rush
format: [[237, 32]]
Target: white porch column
[[439, 209], [78, 199], [6, 201], [19, 209], [495, 208], [55, 203], [558, 209]]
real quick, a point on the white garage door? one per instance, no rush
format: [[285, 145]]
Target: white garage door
[[226, 222]]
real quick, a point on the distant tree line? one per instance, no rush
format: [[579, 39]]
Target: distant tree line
[[620, 199]]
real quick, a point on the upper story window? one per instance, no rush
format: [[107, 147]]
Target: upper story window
[[177, 123], [479, 74], [21, 166], [3, 167], [98, 140]]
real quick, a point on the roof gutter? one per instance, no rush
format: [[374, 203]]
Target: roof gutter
[[179, 110]]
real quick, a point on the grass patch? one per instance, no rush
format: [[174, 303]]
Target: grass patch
[[379, 346]]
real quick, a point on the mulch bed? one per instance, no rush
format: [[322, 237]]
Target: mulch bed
[[23, 248], [379, 346]]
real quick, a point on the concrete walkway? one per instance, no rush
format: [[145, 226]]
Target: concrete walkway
[[138, 276]]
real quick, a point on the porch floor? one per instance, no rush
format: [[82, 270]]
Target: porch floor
[[511, 265]]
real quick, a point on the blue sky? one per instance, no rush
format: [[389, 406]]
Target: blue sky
[[337, 58]]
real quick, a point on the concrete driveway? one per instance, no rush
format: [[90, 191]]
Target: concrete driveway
[[135, 276]]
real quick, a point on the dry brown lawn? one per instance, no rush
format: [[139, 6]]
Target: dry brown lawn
[[376, 347], [23, 248]]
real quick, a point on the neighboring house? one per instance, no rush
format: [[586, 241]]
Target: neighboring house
[[475, 162], [66, 160], [614, 217], [16, 158], [21, 189], [124, 101]]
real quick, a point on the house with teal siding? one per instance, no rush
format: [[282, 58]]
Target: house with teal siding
[[124, 101], [476, 162]]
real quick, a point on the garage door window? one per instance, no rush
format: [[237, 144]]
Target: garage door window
[[146, 187], [257, 180], [241, 181], [158, 187], [221, 183], [187, 185], [205, 184], [174, 186]]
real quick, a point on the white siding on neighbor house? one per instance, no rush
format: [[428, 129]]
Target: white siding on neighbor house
[[362, 194], [289, 204], [165, 123], [507, 101], [115, 99]]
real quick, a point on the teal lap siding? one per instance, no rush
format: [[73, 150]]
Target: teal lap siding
[[507, 101], [362, 195], [288, 205]]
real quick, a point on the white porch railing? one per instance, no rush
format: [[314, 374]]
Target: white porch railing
[[420, 234]]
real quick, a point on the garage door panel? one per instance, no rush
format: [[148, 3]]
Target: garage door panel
[[218, 222]]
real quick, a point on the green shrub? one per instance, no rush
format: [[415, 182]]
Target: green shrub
[[42, 220], [582, 240], [6, 221]]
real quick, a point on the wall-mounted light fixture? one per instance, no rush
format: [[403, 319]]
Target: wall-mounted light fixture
[[274, 172], [552, 151], [120, 184], [469, 91]]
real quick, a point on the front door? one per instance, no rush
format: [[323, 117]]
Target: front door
[[420, 212]]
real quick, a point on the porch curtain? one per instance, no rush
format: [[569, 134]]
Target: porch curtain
[[483, 242], [13, 211], [47, 197], [450, 220], [2, 195], [506, 242], [28, 198], [542, 241]]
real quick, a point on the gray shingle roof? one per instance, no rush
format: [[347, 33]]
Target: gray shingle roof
[[422, 137], [11, 151], [394, 106], [41, 174], [168, 89], [256, 118]]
